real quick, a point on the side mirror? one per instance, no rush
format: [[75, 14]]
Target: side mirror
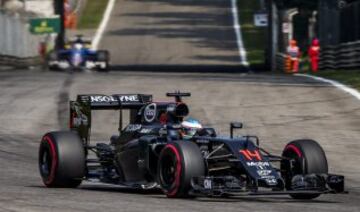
[[234, 125]]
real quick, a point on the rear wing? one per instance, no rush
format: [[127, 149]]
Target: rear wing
[[80, 110], [115, 101]]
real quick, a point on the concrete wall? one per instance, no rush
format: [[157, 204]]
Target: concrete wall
[[15, 38], [41, 7]]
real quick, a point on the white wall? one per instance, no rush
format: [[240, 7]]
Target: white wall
[[41, 7], [15, 38]]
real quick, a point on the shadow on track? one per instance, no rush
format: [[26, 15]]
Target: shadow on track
[[207, 26], [118, 189], [183, 68], [158, 194], [104, 188]]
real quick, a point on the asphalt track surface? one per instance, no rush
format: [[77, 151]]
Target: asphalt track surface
[[172, 35], [276, 108], [169, 35]]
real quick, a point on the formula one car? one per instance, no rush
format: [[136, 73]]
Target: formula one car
[[152, 151], [77, 55]]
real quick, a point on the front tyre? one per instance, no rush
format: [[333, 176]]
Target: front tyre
[[178, 163], [104, 57], [52, 57], [61, 159], [308, 157]]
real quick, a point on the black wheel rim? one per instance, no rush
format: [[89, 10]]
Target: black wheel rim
[[290, 168], [45, 163], [296, 165], [168, 170]]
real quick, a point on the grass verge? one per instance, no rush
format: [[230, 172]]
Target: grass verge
[[347, 77], [254, 37], [92, 14]]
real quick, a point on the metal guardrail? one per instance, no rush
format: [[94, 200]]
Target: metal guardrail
[[19, 62], [343, 56]]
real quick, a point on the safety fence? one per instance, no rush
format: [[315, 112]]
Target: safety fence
[[343, 56], [16, 42]]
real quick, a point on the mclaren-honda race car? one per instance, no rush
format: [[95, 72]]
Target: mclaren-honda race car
[[151, 151], [78, 55]]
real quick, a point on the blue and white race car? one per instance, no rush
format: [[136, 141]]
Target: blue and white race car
[[78, 55]]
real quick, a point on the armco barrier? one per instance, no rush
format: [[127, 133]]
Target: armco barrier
[[16, 42], [343, 56]]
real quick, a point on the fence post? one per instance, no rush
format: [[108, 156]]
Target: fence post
[[2, 34], [273, 34]]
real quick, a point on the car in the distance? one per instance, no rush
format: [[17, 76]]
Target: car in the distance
[[78, 55]]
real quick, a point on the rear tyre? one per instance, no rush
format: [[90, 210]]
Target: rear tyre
[[103, 56], [309, 158], [178, 163], [61, 159]]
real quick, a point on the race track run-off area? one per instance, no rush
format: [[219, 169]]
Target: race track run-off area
[[174, 35]]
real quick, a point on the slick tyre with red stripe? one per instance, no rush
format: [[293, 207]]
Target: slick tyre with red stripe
[[61, 159], [178, 163], [309, 158]]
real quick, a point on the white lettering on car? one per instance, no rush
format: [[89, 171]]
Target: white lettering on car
[[102, 99], [128, 98], [264, 172], [258, 165], [145, 131], [271, 182], [207, 184], [133, 127], [80, 120], [132, 98]]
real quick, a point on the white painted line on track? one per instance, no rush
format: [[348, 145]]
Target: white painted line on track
[[237, 28], [336, 84], [100, 31]]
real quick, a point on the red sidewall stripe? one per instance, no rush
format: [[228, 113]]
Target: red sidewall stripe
[[294, 149], [54, 161], [178, 170]]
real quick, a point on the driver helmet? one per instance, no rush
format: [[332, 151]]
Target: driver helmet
[[78, 46], [190, 126]]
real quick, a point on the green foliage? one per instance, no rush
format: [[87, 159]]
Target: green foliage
[[348, 77], [92, 14], [254, 37]]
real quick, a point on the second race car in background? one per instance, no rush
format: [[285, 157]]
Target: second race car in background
[[78, 55]]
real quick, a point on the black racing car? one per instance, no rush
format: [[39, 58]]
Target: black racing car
[[151, 152]]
